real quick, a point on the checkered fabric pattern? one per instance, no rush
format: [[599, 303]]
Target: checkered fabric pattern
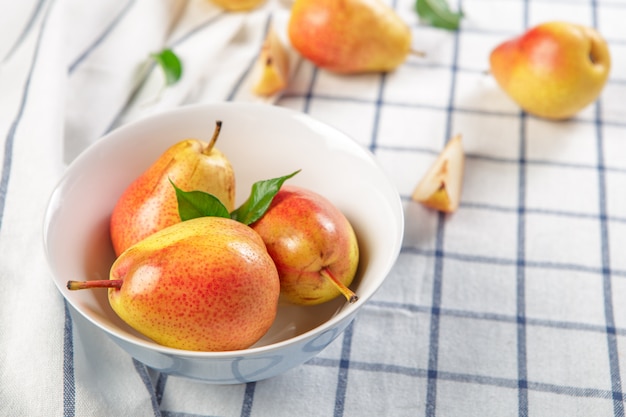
[[515, 305]]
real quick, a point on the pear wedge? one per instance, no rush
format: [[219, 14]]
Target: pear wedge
[[271, 72], [440, 188]]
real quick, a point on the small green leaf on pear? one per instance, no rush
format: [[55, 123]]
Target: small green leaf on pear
[[437, 13], [260, 198], [192, 204], [170, 64]]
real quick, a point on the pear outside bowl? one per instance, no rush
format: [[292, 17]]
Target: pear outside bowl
[[262, 142]]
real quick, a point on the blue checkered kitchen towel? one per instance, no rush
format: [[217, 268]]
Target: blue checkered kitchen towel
[[515, 305]]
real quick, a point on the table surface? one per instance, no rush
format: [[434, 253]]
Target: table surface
[[511, 306]]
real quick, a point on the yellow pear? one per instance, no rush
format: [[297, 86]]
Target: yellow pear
[[349, 36], [206, 284], [440, 188], [554, 69], [271, 71], [149, 203]]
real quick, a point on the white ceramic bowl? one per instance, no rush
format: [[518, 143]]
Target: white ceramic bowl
[[262, 142]]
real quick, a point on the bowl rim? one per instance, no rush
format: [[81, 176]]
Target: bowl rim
[[346, 311]]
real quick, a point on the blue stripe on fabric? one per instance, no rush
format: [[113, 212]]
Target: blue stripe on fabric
[[616, 382], [308, 97], [500, 382], [541, 211], [342, 376], [27, 28], [248, 399], [69, 381], [559, 213], [504, 261], [457, 109], [503, 318], [160, 387], [433, 353], [522, 371], [98, 41], [435, 315], [377, 109], [147, 382]]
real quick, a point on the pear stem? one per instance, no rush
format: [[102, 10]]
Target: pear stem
[[347, 292], [216, 133], [103, 283]]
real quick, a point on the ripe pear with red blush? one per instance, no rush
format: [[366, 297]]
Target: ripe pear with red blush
[[349, 36], [313, 245], [554, 69], [149, 203], [206, 284]]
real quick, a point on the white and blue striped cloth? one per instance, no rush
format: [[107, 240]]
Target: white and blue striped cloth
[[515, 305]]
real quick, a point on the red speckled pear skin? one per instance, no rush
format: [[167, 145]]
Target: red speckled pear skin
[[554, 69], [304, 232], [149, 203], [206, 284], [349, 36]]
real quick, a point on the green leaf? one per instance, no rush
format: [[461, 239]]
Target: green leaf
[[437, 13], [260, 198], [192, 204], [170, 64]]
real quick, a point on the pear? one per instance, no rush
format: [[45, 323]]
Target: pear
[[313, 245], [271, 71], [440, 188], [206, 284], [552, 70], [149, 203], [349, 36]]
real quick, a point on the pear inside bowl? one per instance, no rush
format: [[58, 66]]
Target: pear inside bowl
[[262, 142]]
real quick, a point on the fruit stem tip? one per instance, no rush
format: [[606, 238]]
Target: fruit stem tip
[[347, 292], [74, 285], [216, 133]]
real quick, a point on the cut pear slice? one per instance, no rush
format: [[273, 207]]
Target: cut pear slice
[[440, 188], [271, 71]]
